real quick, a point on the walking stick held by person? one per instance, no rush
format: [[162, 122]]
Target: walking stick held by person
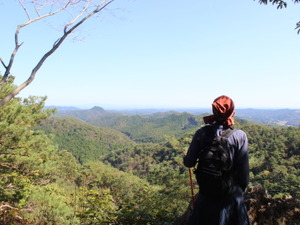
[[192, 187]]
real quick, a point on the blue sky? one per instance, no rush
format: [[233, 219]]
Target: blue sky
[[168, 53]]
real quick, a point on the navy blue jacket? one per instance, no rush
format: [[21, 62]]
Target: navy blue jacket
[[238, 152], [230, 209]]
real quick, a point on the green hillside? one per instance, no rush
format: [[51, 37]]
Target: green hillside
[[90, 114], [150, 128], [140, 128], [84, 141]]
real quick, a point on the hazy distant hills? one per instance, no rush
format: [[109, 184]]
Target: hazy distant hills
[[278, 117], [101, 117]]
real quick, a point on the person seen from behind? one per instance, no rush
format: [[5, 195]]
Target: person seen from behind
[[220, 203]]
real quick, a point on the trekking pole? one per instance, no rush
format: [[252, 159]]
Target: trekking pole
[[192, 187]]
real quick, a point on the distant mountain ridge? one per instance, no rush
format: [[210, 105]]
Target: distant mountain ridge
[[277, 117]]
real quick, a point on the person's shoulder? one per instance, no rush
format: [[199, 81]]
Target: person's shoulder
[[201, 131], [238, 130], [239, 133]]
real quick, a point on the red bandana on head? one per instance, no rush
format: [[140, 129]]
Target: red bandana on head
[[223, 111]]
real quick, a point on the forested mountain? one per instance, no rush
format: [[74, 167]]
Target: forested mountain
[[277, 117], [142, 127], [151, 128], [86, 142], [89, 114], [58, 170]]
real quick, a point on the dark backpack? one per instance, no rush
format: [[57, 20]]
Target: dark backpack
[[214, 171]]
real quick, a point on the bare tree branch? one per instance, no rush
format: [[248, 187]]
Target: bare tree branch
[[69, 28], [79, 15], [3, 64], [17, 45], [10, 166], [37, 11], [24, 8], [12, 57], [46, 15]]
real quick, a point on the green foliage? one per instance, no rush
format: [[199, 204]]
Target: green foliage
[[51, 205], [21, 148], [96, 207], [161, 164], [30, 190], [132, 200], [274, 158]]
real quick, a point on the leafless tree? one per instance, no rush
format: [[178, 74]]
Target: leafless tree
[[35, 10]]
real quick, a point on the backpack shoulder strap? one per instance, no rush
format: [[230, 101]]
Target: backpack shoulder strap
[[228, 132]]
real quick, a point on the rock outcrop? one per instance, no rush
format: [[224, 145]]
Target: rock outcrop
[[263, 210]]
